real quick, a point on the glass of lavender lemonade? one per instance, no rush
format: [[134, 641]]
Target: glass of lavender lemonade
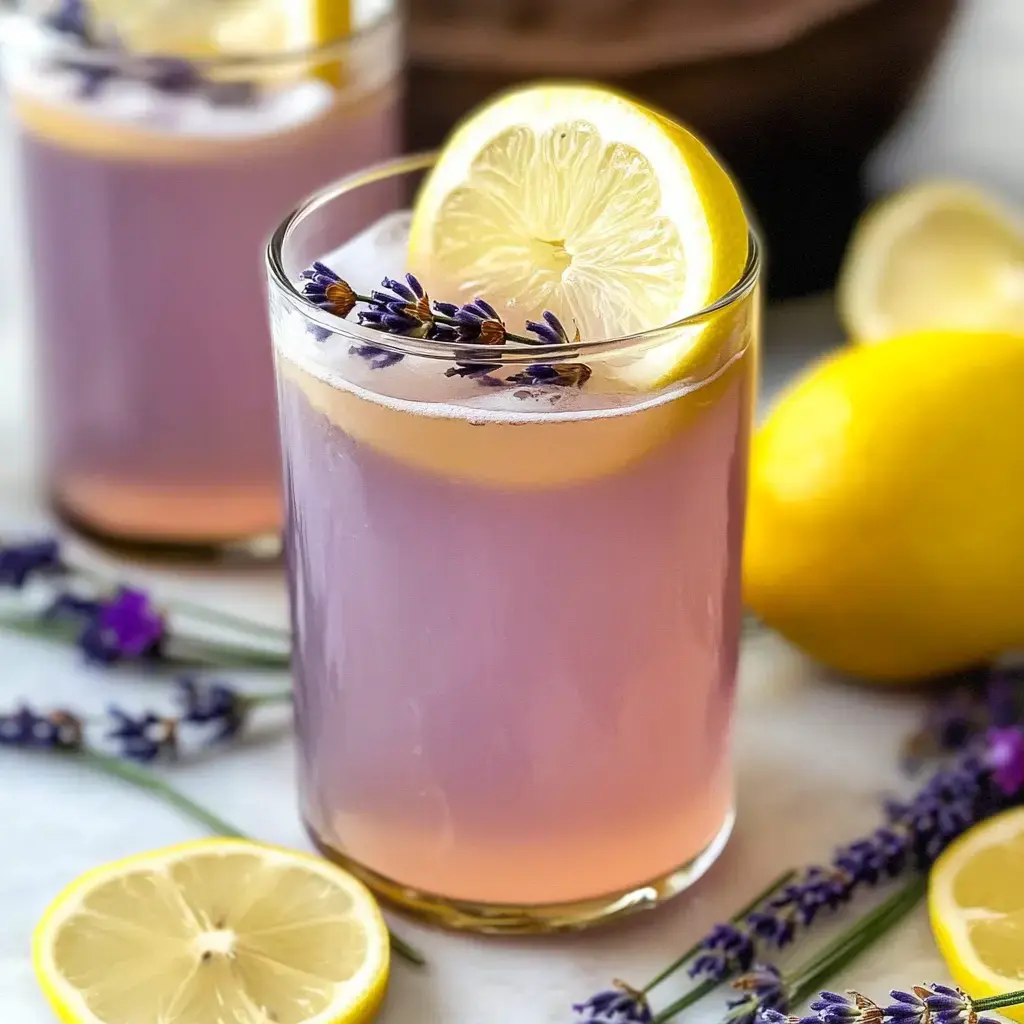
[[513, 550], [160, 142]]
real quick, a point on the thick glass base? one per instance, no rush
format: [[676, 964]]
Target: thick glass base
[[256, 549], [509, 919]]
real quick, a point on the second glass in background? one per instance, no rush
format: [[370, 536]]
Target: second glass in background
[[151, 185]]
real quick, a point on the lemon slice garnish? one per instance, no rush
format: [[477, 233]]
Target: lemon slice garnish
[[215, 930], [575, 199], [940, 255], [976, 905], [235, 27]]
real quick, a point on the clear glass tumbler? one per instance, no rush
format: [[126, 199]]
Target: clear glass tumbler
[[515, 589], [151, 184]]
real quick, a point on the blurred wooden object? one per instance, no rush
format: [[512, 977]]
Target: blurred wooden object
[[792, 93]]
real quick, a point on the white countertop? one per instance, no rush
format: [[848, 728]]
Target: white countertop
[[814, 755]]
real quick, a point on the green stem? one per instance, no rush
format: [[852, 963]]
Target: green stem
[[997, 1002], [215, 654], [691, 997], [156, 787], [261, 700], [191, 609], [182, 651], [862, 933], [735, 919]]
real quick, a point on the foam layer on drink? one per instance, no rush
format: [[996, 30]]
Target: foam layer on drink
[[536, 436], [128, 117]]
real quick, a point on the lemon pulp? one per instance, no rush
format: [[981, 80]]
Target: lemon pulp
[[976, 905], [214, 932], [575, 199]]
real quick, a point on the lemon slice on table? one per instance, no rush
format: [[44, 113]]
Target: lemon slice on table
[[218, 931], [940, 255], [976, 905], [575, 199]]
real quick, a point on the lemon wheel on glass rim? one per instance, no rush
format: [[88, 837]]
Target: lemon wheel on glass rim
[[578, 200]]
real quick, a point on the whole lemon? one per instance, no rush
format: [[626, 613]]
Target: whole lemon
[[885, 531]]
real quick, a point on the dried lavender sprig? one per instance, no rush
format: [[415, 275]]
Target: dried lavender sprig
[[44, 558], [144, 779], [210, 713], [624, 1000], [978, 785], [409, 308]]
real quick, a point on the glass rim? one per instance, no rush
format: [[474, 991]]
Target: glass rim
[[508, 353], [109, 56]]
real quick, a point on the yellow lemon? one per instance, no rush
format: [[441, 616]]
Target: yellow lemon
[[214, 931], [886, 501], [578, 200], [976, 906], [940, 255], [234, 26]]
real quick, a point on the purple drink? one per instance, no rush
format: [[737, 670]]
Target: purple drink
[[147, 212], [516, 607]]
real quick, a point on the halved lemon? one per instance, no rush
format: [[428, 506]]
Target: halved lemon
[[218, 931], [578, 200], [940, 255], [976, 905]]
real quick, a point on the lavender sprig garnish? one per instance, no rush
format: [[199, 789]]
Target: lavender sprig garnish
[[111, 622], [168, 74], [210, 713], [65, 733], [984, 780], [403, 308]]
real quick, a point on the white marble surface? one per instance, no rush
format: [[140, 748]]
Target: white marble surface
[[814, 755]]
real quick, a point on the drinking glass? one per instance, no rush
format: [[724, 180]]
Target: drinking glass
[[515, 590], [151, 184]]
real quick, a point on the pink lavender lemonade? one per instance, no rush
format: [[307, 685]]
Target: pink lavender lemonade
[[150, 189], [516, 606]]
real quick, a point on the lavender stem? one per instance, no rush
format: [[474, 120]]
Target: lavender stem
[[152, 784], [737, 918], [452, 322], [861, 934], [191, 609]]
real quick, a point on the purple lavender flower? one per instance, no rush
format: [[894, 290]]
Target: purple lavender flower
[[478, 322], [70, 18], [213, 704], [58, 730], [20, 562], [145, 737], [126, 626], [1002, 696], [1004, 755], [949, 1005], [400, 309], [614, 1006], [909, 1007], [762, 989], [171, 74], [833, 1008], [777, 1017], [327, 290], [564, 375], [726, 950], [122, 627], [552, 331]]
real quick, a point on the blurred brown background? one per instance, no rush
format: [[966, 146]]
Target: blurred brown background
[[794, 94]]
